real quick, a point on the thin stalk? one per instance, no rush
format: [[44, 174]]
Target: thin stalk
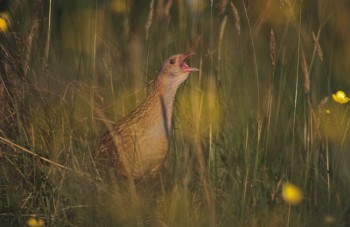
[[328, 172], [48, 37], [92, 102], [257, 157]]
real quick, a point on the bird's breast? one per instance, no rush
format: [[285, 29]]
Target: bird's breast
[[145, 142]]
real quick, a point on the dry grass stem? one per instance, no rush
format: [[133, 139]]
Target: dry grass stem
[[317, 46], [221, 36], [306, 74], [273, 49], [12, 144], [205, 182], [236, 17], [222, 4], [16, 146], [150, 18], [163, 9], [48, 37], [29, 44]]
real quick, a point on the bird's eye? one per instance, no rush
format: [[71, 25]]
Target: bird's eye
[[172, 61]]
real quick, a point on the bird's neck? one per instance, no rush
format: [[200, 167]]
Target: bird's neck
[[162, 98]]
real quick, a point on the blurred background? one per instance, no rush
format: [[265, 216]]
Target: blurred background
[[258, 117]]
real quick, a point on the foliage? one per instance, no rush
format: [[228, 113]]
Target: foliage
[[258, 115]]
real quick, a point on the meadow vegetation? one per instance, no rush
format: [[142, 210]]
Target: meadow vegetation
[[258, 139]]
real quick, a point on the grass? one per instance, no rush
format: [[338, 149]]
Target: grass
[[257, 115]]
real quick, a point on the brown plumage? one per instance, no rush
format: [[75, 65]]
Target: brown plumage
[[137, 145]]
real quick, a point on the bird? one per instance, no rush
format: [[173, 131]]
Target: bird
[[137, 145]]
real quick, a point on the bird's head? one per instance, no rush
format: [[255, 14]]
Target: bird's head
[[176, 68]]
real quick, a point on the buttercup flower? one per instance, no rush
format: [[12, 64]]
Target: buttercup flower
[[33, 222], [291, 194], [340, 97], [3, 22]]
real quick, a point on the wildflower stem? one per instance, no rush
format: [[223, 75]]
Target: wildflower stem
[[328, 172]]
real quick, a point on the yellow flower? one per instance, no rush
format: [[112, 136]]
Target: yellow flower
[[33, 222], [291, 194], [328, 111], [4, 22], [340, 97], [3, 25]]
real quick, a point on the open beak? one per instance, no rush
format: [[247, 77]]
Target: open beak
[[184, 65]]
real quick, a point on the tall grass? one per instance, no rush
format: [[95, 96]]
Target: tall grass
[[257, 115]]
